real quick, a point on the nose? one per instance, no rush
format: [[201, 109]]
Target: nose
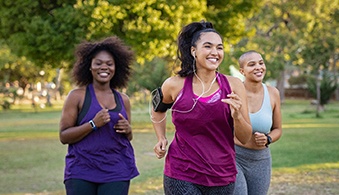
[[104, 66], [214, 51]]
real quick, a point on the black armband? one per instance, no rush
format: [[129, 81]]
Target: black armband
[[157, 103]]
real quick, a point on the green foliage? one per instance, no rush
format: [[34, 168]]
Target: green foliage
[[299, 33], [328, 85], [150, 75], [299, 80], [44, 32]]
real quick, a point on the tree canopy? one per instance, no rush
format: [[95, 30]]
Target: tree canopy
[[47, 31]]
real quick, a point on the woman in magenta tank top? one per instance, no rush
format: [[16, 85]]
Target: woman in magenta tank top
[[95, 121], [208, 110]]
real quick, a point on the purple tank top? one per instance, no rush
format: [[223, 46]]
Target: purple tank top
[[202, 150], [103, 155]]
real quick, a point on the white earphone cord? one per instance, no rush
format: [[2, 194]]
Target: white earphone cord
[[193, 106]]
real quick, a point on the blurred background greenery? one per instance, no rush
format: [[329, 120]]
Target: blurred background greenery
[[298, 40]]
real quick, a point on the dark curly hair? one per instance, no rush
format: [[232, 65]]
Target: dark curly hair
[[187, 38], [86, 51]]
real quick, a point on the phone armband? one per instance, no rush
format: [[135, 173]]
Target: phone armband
[[157, 103]]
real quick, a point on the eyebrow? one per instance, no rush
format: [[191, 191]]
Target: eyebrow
[[220, 44], [255, 60]]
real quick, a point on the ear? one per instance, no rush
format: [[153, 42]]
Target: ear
[[193, 52], [241, 70]]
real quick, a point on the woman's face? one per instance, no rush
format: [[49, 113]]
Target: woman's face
[[103, 67], [209, 51], [253, 67]]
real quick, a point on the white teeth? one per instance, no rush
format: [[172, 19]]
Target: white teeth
[[213, 60], [103, 74]]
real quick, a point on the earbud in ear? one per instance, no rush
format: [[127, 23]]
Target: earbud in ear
[[193, 54]]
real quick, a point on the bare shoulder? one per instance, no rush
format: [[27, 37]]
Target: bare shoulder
[[173, 82], [76, 97], [274, 94], [77, 93], [273, 91], [171, 87], [124, 97], [235, 82]]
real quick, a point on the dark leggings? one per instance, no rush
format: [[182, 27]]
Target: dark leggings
[[179, 187], [83, 187]]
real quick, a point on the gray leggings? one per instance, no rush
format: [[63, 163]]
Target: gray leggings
[[254, 171]]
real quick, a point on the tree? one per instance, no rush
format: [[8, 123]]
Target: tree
[[284, 31], [46, 32]]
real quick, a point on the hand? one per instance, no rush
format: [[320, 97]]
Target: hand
[[160, 148], [235, 104], [102, 118], [122, 125], [260, 139]]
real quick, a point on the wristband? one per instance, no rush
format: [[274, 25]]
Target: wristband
[[269, 140], [94, 128]]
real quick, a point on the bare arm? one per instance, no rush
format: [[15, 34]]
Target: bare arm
[[238, 104], [69, 132], [170, 89], [276, 130]]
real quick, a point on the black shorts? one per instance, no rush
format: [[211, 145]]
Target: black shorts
[[83, 187]]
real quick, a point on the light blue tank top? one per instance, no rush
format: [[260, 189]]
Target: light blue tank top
[[262, 120]]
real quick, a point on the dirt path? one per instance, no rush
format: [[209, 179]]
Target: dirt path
[[320, 182]]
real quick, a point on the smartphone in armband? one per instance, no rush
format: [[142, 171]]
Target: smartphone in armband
[[157, 103]]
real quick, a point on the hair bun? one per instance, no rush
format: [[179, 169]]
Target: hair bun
[[206, 24]]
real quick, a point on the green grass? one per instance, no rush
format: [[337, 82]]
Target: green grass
[[32, 158]]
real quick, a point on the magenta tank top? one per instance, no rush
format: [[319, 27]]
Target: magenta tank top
[[202, 150], [103, 155]]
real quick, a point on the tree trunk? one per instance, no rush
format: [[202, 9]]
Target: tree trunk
[[281, 85]]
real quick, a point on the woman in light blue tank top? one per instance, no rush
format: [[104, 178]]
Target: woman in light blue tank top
[[254, 158]]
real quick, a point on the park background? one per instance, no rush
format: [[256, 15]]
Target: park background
[[298, 40]]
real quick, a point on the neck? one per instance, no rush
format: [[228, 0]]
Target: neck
[[101, 86], [253, 86], [206, 79]]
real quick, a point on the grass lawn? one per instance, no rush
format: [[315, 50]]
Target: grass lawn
[[32, 158]]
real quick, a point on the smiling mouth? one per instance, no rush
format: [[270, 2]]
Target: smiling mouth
[[213, 59], [104, 74]]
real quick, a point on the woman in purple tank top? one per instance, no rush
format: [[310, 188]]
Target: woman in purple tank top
[[208, 110], [95, 121]]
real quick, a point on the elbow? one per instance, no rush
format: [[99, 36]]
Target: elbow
[[130, 136], [245, 137], [63, 139]]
